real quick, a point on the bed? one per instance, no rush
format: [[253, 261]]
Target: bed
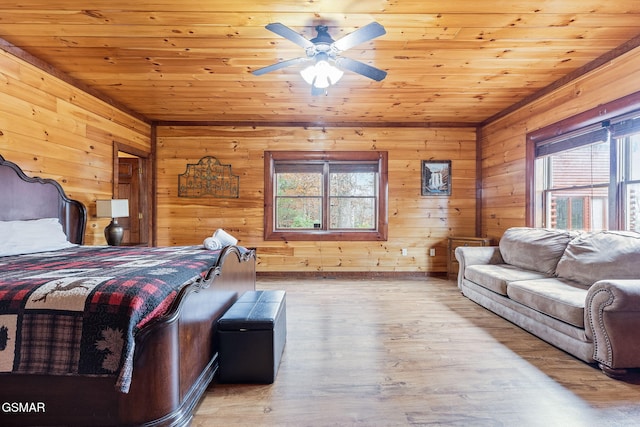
[[150, 368]]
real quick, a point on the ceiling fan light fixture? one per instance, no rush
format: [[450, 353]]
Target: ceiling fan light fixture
[[325, 52], [321, 74]]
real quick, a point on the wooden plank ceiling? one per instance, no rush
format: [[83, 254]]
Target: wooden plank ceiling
[[454, 61]]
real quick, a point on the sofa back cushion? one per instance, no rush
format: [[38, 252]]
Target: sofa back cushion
[[601, 255], [537, 249]]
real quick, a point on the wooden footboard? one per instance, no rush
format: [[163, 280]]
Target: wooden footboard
[[175, 359]]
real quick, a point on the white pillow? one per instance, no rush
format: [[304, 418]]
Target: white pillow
[[37, 235]]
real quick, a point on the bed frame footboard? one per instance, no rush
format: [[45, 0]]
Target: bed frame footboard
[[175, 359]]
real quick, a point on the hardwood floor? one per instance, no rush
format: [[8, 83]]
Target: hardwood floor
[[414, 352]]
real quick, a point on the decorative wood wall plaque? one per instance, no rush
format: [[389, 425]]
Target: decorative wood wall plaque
[[208, 177]]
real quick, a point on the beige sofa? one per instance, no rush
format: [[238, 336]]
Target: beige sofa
[[577, 291]]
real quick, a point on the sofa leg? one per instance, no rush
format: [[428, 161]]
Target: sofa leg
[[615, 373]]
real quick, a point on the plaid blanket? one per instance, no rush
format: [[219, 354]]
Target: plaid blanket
[[76, 311]]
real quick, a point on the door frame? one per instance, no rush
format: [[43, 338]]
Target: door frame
[[146, 204]]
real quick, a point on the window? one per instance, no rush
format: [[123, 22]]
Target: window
[[631, 182], [589, 178], [311, 195], [574, 182]]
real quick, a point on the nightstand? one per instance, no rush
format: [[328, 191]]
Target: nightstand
[[454, 242]]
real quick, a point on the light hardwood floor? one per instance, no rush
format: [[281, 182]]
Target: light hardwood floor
[[414, 352]]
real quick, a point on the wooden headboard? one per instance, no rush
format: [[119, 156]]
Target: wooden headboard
[[22, 198]]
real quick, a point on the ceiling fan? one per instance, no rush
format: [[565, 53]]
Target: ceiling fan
[[323, 52]]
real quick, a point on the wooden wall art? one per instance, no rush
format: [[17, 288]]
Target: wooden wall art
[[208, 178]]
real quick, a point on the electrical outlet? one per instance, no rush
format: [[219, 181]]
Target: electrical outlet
[[404, 251], [432, 252]]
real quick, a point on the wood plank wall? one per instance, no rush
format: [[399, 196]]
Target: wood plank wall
[[503, 141], [53, 130], [415, 222]]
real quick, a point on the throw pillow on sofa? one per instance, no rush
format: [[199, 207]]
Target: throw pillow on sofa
[[537, 249], [601, 255]]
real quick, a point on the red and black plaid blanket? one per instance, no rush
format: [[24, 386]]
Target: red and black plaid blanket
[[76, 311]]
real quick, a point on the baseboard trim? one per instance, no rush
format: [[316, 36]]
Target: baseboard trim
[[355, 275]]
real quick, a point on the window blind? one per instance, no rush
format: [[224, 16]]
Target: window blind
[[580, 138]]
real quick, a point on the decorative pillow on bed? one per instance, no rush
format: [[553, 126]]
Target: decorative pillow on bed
[[30, 236]]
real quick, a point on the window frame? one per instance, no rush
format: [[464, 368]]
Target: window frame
[[602, 114], [379, 233]]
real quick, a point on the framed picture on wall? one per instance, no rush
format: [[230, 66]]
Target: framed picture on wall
[[436, 177]]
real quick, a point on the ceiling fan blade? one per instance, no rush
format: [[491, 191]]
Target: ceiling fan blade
[[361, 68], [361, 35], [289, 34], [278, 65]]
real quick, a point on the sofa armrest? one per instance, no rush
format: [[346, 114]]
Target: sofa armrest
[[612, 319], [473, 255]]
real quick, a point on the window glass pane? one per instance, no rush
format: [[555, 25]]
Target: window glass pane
[[632, 207], [353, 184], [634, 161], [576, 209], [352, 203], [599, 211], [577, 213], [561, 219], [298, 200], [582, 166], [298, 184], [352, 213], [298, 212]]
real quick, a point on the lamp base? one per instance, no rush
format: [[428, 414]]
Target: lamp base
[[114, 233]]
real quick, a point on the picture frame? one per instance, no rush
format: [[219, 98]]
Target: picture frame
[[436, 178]]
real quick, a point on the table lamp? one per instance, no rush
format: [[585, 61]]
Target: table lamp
[[114, 209]]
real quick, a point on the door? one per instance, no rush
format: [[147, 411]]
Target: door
[[130, 174]]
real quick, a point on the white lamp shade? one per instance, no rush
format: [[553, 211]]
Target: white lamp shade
[[321, 74], [114, 208]]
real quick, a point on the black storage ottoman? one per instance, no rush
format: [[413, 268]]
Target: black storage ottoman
[[251, 338]]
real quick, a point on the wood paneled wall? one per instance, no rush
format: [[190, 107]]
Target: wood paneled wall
[[54, 130], [503, 141], [415, 222]]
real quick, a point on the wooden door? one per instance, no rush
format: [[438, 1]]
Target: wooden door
[[130, 175]]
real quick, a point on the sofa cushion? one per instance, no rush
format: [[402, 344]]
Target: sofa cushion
[[537, 249], [562, 299], [495, 277], [601, 255]]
